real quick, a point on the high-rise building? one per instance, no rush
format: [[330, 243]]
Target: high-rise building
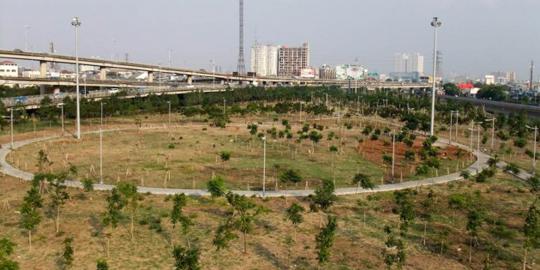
[[291, 61], [327, 72], [408, 62], [264, 59]]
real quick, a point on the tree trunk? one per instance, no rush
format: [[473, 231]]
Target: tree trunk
[[245, 243], [108, 245], [132, 225], [525, 259], [57, 221], [424, 236], [30, 239], [470, 250]]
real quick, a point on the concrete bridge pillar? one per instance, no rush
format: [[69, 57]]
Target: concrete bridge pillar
[[43, 69], [103, 74], [150, 76], [190, 79]]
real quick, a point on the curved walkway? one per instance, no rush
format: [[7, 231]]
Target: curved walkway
[[475, 168]]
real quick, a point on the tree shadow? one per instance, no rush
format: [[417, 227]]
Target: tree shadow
[[267, 254]]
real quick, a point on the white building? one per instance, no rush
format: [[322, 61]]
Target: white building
[[9, 69], [489, 79], [408, 62], [350, 72], [308, 73], [264, 59]]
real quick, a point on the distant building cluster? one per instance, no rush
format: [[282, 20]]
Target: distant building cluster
[[282, 61], [408, 67], [9, 69]]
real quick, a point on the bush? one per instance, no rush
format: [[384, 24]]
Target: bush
[[291, 176], [422, 170], [520, 142], [458, 201], [512, 168]]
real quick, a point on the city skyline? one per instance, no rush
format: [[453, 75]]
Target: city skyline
[[126, 28]]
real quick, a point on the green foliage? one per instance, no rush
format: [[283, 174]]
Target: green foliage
[[115, 204], [66, 261], [394, 252], [465, 174], [186, 258], [451, 89], [474, 221], [294, 214], [290, 176], [534, 184], [363, 181], [102, 265], [423, 169], [325, 239], [225, 156], [216, 187], [531, 228], [177, 215], [88, 184], [520, 142], [30, 216], [512, 168], [405, 208], [493, 92], [324, 196], [6, 249], [410, 155], [333, 149]]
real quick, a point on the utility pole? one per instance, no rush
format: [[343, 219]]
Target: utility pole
[[451, 122], [531, 79], [534, 148], [436, 23], [77, 23], [241, 62], [264, 166], [11, 127], [492, 120], [393, 153], [62, 118], [100, 156]]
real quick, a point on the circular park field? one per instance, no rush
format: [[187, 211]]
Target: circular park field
[[298, 156]]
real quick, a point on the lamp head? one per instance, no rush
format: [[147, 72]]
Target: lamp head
[[436, 23], [76, 22]]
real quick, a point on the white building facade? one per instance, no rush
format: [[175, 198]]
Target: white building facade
[[409, 62], [264, 59], [9, 69]]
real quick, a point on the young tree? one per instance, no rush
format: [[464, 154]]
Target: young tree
[[131, 197], [324, 196], [427, 207], [394, 252], [43, 160], [216, 187], [531, 230], [405, 209], [333, 150], [102, 264], [474, 221], [6, 249], [315, 137], [290, 176], [294, 215], [177, 215], [186, 259], [30, 216], [113, 214], [363, 181], [325, 239], [58, 195], [242, 217], [225, 156], [66, 261]]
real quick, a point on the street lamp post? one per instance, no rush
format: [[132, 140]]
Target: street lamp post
[[492, 120], [101, 115], [435, 24], [101, 155], [451, 122], [77, 23], [62, 119], [169, 102], [264, 166], [11, 126], [393, 153], [534, 146]]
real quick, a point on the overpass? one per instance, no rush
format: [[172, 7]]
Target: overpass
[[498, 106], [105, 65]]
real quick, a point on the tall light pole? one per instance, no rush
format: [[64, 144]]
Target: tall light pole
[[62, 118], [169, 102], [492, 120], [77, 23], [264, 166], [534, 146], [101, 155], [11, 127], [451, 122], [101, 114], [436, 24], [393, 153]]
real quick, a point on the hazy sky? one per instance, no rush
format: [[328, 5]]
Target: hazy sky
[[477, 36]]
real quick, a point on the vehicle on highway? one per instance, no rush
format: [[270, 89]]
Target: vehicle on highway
[[114, 91]]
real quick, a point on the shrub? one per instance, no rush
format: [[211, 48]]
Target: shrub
[[520, 142]]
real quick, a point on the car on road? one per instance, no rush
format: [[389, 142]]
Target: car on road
[[114, 91]]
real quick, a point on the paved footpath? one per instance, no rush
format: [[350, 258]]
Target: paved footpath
[[475, 168]]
